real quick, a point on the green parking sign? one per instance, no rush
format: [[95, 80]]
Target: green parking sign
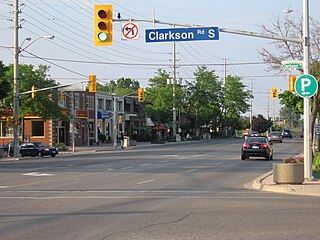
[[306, 85]]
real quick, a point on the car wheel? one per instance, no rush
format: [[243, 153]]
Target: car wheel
[[243, 157], [40, 154], [268, 157], [53, 155], [271, 157]]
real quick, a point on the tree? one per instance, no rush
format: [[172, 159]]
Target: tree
[[233, 105], [43, 104], [260, 124], [202, 97], [121, 87], [159, 97], [284, 50]]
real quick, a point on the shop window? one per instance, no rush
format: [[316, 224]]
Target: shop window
[[37, 128]]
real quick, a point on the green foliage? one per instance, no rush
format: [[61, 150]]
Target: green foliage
[[260, 124], [292, 101], [122, 87], [316, 161], [43, 104]]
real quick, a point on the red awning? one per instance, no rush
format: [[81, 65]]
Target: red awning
[[161, 127]]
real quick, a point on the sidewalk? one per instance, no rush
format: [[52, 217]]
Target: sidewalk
[[265, 183]]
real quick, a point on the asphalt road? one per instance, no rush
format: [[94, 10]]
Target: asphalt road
[[193, 190]]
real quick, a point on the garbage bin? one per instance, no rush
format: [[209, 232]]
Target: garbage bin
[[126, 142]]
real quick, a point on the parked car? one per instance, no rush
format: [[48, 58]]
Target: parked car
[[5, 149], [275, 137], [255, 134], [34, 149], [256, 147], [286, 134]]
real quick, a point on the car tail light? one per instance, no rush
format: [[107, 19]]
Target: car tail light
[[264, 145], [245, 145]]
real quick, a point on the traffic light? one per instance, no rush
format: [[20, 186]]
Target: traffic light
[[121, 118], [140, 94], [32, 93], [62, 95], [92, 83], [274, 93], [292, 81], [103, 25]]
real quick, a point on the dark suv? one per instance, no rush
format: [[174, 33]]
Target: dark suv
[[286, 134]]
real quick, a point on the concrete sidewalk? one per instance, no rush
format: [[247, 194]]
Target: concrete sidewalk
[[307, 188]]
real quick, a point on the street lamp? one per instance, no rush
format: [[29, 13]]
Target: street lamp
[[17, 50]]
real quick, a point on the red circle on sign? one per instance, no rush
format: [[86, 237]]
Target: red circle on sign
[[130, 28]]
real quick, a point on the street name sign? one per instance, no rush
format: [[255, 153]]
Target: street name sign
[[306, 85], [292, 64], [181, 34]]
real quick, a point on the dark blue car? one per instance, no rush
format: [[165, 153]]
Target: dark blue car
[[286, 134]]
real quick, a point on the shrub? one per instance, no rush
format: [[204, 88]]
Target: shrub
[[316, 161]]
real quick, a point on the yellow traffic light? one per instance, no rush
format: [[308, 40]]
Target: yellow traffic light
[[103, 25], [274, 93], [62, 95], [92, 83], [140, 94], [292, 81], [32, 93]]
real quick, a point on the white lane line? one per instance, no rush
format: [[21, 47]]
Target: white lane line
[[163, 161], [124, 168], [192, 170], [146, 181], [199, 155], [37, 174], [171, 155], [146, 164], [219, 163], [3, 187]]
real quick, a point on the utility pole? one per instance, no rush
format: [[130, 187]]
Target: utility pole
[[251, 112], [306, 101], [16, 126], [115, 134], [174, 79]]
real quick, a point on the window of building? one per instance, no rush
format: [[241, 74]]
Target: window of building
[[5, 129], [100, 104], [37, 128], [108, 105], [77, 101], [90, 102]]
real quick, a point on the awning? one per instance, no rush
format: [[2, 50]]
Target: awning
[[104, 114], [161, 127]]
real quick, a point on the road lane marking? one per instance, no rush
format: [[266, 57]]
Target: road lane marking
[[144, 165], [192, 170], [38, 174], [124, 168], [147, 181], [3, 187], [219, 163], [163, 161]]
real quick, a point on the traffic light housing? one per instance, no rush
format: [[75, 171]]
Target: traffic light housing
[[92, 83], [140, 94], [121, 117], [62, 95], [274, 93], [33, 93], [103, 25], [292, 81]]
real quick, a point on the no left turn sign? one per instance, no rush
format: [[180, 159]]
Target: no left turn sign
[[129, 31]]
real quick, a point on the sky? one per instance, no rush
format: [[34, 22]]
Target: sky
[[73, 56]]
